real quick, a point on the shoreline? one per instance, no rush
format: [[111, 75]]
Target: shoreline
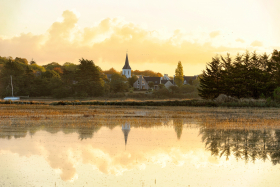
[[250, 103]]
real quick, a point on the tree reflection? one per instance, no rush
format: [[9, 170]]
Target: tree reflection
[[245, 144], [178, 126], [20, 131]]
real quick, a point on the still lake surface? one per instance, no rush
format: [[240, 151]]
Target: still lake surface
[[174, 152]]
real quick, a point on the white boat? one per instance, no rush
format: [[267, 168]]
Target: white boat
[[12, 98]]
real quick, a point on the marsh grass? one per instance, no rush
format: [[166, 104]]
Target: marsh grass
[[94, 112], [241, 103]]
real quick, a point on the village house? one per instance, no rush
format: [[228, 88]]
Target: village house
[[188, 79], [143, 81]]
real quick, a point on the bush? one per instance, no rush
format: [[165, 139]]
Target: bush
[[188, 88], [116, 95], [164, 92], [276, 94], [174, 89]]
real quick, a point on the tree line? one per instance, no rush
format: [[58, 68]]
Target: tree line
[[246, 75], [83, 80]]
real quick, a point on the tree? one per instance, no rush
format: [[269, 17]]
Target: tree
[[132, 80], [70, 66], [89, 79], [36, 67], [174, 89], [58, 70], [118, 83], [151, 84], [110, 71], [21, 60], [210, 80], [32, 62], [187, 88], [50, 74], [52, 65], [146, 73], [161, 86], [179, 75]]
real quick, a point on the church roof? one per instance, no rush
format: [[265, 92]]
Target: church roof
[[126, 65]]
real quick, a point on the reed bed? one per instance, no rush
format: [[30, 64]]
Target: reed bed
[[14, 111]]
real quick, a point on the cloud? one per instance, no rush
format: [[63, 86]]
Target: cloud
[[240, 40], [214, 34], [61, 30], [256, 43], [106, 43]]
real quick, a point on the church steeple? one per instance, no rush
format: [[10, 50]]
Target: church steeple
[[126, 68], [126, 65]]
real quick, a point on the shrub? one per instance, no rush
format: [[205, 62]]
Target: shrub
[[164, 92], [188, 88], [276, 94]]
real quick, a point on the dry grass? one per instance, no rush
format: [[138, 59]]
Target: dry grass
[[98, 112]]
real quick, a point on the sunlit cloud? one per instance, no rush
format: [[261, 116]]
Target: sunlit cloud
[[214, 34], [256, 44], [240, 40]]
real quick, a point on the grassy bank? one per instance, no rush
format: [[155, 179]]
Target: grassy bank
[[191, 103]]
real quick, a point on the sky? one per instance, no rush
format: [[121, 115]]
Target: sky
[[155, 33]]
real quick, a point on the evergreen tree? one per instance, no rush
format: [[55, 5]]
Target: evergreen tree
[[210, 81]]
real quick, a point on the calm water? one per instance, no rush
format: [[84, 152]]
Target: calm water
[[170, 153]]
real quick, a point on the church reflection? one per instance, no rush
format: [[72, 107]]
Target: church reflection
[[243, 144], [125, 130]]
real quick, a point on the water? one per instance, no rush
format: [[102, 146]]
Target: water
[[158, 152]]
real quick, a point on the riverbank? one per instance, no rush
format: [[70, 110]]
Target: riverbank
[[190, 102]]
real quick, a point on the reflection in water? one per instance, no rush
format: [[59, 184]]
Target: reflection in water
[[126, 130], [178, 126], [156, 150], [246, 144]]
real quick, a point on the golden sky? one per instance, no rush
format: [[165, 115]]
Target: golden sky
[[157, 34]]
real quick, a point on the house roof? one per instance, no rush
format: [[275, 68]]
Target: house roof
[[187, 78], [126, 65], [165, 81], [156, 80]]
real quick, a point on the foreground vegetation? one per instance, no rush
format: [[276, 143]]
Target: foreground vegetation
[[261, 103]]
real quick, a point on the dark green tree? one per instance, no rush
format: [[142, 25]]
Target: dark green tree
[[210, 82], [132, 80], [118, 83], [89, 79]]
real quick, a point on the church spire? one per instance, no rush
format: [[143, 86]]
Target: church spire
[[126, 65], [126, 130]]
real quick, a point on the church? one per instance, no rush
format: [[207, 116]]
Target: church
[[126, 70]]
